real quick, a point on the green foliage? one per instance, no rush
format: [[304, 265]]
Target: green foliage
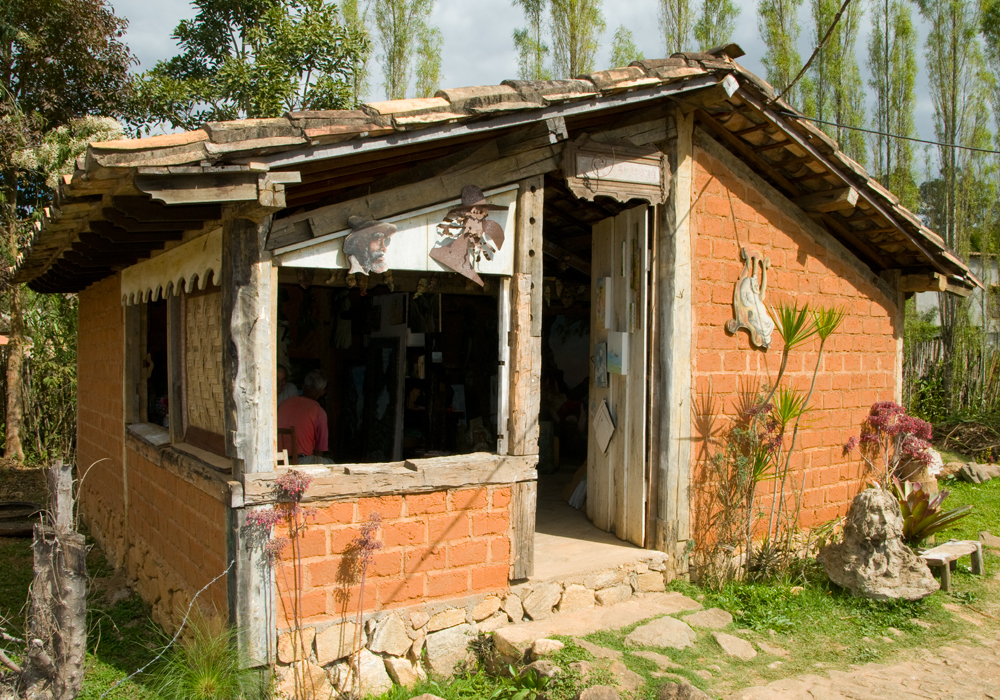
[[59, 148], [716, 23], [922, 513], [356, 20], [577, 26], [789, 403], [531, 50], [258, 58], [793, 323], [777, 21], [623, 48], [398, 24], [208, 666], [429, 42], [676, 24]]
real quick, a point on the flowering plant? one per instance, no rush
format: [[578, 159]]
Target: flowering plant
[[892, 444]]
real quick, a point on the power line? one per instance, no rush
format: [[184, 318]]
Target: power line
[[815, 52], [882, 133]]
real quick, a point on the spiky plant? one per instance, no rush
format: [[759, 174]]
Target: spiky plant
[[922, 514]]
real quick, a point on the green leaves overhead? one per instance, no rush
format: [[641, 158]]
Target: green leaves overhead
[[398, 24], [577, 26], [623, 48], [256, 58]]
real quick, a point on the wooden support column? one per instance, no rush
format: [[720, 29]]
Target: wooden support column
[[671, 391], [248, 365], [175, 364]]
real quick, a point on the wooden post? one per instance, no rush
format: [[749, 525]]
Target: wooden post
[[524, 496], [672, 353], [248, 363], [175, 364]]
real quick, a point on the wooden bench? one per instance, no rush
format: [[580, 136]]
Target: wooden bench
[[943, 555]]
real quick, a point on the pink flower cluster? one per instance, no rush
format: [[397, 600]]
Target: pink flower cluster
[[891, 439], [291, 485]]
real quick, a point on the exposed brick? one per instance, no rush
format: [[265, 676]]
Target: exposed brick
[[312, 543], [447, 583], [404, 533], [489, 578], [447, 527], [469, 552], [501, 497], [489, 524], [425, 503], [401, 591], [388, 507], [335, 514], [469, 499], [425, 558]]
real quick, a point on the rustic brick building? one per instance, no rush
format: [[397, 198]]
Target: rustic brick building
[[613, 212]]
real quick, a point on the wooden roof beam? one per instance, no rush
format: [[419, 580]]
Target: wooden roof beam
[[923, 282], [844, 198], [565, 257], [145, 210]]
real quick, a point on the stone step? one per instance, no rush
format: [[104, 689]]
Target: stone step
[[513, 640]]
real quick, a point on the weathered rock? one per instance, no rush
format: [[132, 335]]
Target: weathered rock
[[428, 696], [545, 647], [771, 649], [312, 675], [543, 667], [390, 637], [664, 632], [597, 651], [576, 597], [599, 692], [614, 594], [603, 579], [651, 582], [989, 540], [975, 473], [539, 603], [495, 622], [404, 672], [734, 646], [581, 667], [625, 678], [658, 659], [447, 649], [341, 675], [513, 607], [290, 648], [417, 648], [336, 642], [486, 608], [681, 691], [418, 619], [872, 561], [713, 619], [443, 620], [374, 678]]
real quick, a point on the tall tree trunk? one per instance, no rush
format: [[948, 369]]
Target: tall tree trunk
[[15, 367]]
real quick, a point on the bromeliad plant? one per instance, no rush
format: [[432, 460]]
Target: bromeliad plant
[[922, 513]]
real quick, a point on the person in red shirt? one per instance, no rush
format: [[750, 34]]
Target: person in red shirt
[[309, 420]]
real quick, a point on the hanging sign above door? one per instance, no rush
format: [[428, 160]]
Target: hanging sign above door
[[620, 172]]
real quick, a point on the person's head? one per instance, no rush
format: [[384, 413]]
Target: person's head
[[479, 213], [314, 384], [368, 243], [282, 377]]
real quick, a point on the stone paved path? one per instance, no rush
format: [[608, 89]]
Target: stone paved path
[[970, 672]]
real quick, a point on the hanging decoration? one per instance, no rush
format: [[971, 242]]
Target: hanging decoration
[[366, 245], [749, 311], [475, 235]]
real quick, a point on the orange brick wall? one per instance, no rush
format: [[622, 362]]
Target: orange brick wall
[[100, 350], [859, 361], [436, 546]]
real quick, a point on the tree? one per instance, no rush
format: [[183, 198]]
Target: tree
[[429, 42], [623, 48], [676, 24], [59, 60], [398, 23], [834, 91], [254, 58], [892, 60], [716, 23], [576, 29], [356, 19], [777, 21], [531, 50]]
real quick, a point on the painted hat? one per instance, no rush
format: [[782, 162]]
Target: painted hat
[[360, 224], [472, 196]]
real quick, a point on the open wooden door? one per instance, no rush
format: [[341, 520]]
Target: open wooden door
[[616, 477]]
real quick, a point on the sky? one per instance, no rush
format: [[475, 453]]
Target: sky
[[478, 48]]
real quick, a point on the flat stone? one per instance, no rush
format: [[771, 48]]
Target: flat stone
[[545, 647], [315, 676], [390, 637], [975, 473], [599, 692], [374, 678], [681, 691], [603, 579], [920, 623], [448, 618], [486, 608], [772, 649], [336, 642], [418, 619], [576, 597], [543, 667], [651, 582], [658, 659], [734, 646], [447, 649], [713, 619], [989, 540], [428, 696], [539, 603], [774, 664], [597, 651], [893, 630], [703, 673], [405, 672], [517, 638], [664, 632], [581, 667], [417, 648], [513, 607], [613, 595], [625, 678], [494, 622], [289, 648]]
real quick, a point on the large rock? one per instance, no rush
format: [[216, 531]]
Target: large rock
[[374, 678], [539, 603], [599, 692], [734, 646], [390, 637], [336, 642], [613, 594], [713, 619], [872, 561], [447, 649], [449, 618], [664, 632], [989, 540], [976, 473], [290, 645], [404, 671], [576, 597], [681, 691]]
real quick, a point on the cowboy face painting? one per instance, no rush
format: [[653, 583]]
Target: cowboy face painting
[[476, 236], [366, 245]]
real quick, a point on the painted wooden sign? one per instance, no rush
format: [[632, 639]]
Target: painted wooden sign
[[620, 172], [409, 241]]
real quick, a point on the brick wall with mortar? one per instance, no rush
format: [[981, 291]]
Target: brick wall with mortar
[[859, 361], [175, 540], [435, 546]]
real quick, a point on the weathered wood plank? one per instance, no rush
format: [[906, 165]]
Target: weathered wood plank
[[621, 252], [175, 364], [598, 469], [635, 450], [503, 371], [525, 371], [929, 282], [524, 497], [840, 199], [528, 243], [433, 474]]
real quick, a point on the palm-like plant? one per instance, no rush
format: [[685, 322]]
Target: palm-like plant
[[922, 514]]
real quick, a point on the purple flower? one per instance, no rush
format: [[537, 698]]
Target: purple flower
[[850, 446]]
